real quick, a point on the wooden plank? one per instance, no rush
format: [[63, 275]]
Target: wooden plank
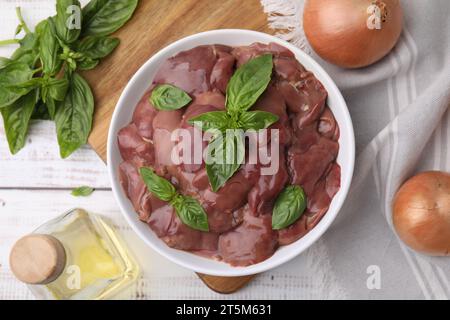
[[39, 165]]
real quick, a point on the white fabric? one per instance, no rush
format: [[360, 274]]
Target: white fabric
[[399, 107]]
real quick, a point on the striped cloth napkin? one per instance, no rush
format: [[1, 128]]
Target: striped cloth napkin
[[399, 108]]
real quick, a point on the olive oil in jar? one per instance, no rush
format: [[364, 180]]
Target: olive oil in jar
[[75, 256]]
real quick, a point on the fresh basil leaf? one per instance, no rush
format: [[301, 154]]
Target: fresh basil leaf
[[289, 206], [51, 107], [97, 47], [25, 87], [29, 57], [219, 120], [57, 88], [224, 157], [256, 120], [74, 116], [248, 83], [190, 212], [4, 62], [157, 185], [28, 52], [67, 20], [49, 48], [168, 97], [91, 9], [83, 191], [13, 73], [103, 17], [40, 26], [16, 118], [87, 63]]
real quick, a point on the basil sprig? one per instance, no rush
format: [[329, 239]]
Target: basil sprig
[[188, 209], [168, 97], [243, 90], [289, 207], [43, 70]]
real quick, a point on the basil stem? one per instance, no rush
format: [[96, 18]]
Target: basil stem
[[8, 42], [22, 22]]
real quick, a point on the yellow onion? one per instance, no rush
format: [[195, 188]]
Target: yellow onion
[[421, 213], [352, 33]]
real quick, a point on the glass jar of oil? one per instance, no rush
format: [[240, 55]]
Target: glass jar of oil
[[75, 256]]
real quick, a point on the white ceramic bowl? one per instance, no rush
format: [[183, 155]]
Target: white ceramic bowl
[[133, 92]]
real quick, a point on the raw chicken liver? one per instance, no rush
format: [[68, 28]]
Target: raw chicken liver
[[239, 213]]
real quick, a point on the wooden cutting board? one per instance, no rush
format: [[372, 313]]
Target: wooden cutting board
[[155, 24]]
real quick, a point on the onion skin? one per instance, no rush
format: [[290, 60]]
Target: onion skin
[[338, 32], [421, 213]]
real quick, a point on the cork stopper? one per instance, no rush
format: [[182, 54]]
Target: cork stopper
[[37, 259]]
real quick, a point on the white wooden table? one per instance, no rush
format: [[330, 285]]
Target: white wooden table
[[35, 186]]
